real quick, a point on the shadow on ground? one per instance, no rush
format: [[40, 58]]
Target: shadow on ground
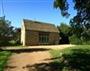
[[77, 60], [27, 50]]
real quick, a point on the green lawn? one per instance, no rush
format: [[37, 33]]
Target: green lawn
[[76, 58], [3, 59]]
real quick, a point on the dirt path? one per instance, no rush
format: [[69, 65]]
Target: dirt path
[[19, 61]]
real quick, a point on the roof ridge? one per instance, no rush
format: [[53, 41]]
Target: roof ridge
[[39, 22]]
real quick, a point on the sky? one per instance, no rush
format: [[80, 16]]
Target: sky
[[39, 10]]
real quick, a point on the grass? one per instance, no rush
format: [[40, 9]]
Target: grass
[[3, 59], [75, 58]]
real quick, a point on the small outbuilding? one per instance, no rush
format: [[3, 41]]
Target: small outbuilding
[[38, 33]]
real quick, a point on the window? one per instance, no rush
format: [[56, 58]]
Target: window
[[43, 37]]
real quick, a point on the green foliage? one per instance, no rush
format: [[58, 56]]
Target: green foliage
[[73, 59], [86, 35], [63, 5], [64, 28], [75, 40], [6, 31], [17, 36], [73, 34], [80, 23], [3, 59], [64, 33]]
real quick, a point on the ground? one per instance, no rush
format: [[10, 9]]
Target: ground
[[22, 59]]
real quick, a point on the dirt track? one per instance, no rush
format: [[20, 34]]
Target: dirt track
[[19, 61]]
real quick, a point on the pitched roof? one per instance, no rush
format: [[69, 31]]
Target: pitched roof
[[39, 26]]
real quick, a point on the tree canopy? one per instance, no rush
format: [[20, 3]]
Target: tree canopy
[[80, 23], [6, 31], [81, 6]]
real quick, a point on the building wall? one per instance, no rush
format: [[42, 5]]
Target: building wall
[[23, 35], [32, 38], [54, 38]]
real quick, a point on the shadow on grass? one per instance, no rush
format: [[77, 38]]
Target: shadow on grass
[[77, 60]]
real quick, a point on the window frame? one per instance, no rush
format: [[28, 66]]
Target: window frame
[[43, 37]]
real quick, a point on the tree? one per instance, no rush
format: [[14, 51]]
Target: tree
[[17, 35], [6, 31], [63, 6], [82, 7], [64, 28], [81, 22], [64, 33]]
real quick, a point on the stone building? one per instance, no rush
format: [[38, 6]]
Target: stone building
[[38, 33]]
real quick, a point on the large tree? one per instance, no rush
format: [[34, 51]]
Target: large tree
[[81, 22], [6, 31]]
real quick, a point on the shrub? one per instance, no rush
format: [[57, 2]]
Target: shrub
[[75, 40]]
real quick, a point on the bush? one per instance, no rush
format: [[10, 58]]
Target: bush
[[4, 43], [86, 42], [9, 43], [75, 40]]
